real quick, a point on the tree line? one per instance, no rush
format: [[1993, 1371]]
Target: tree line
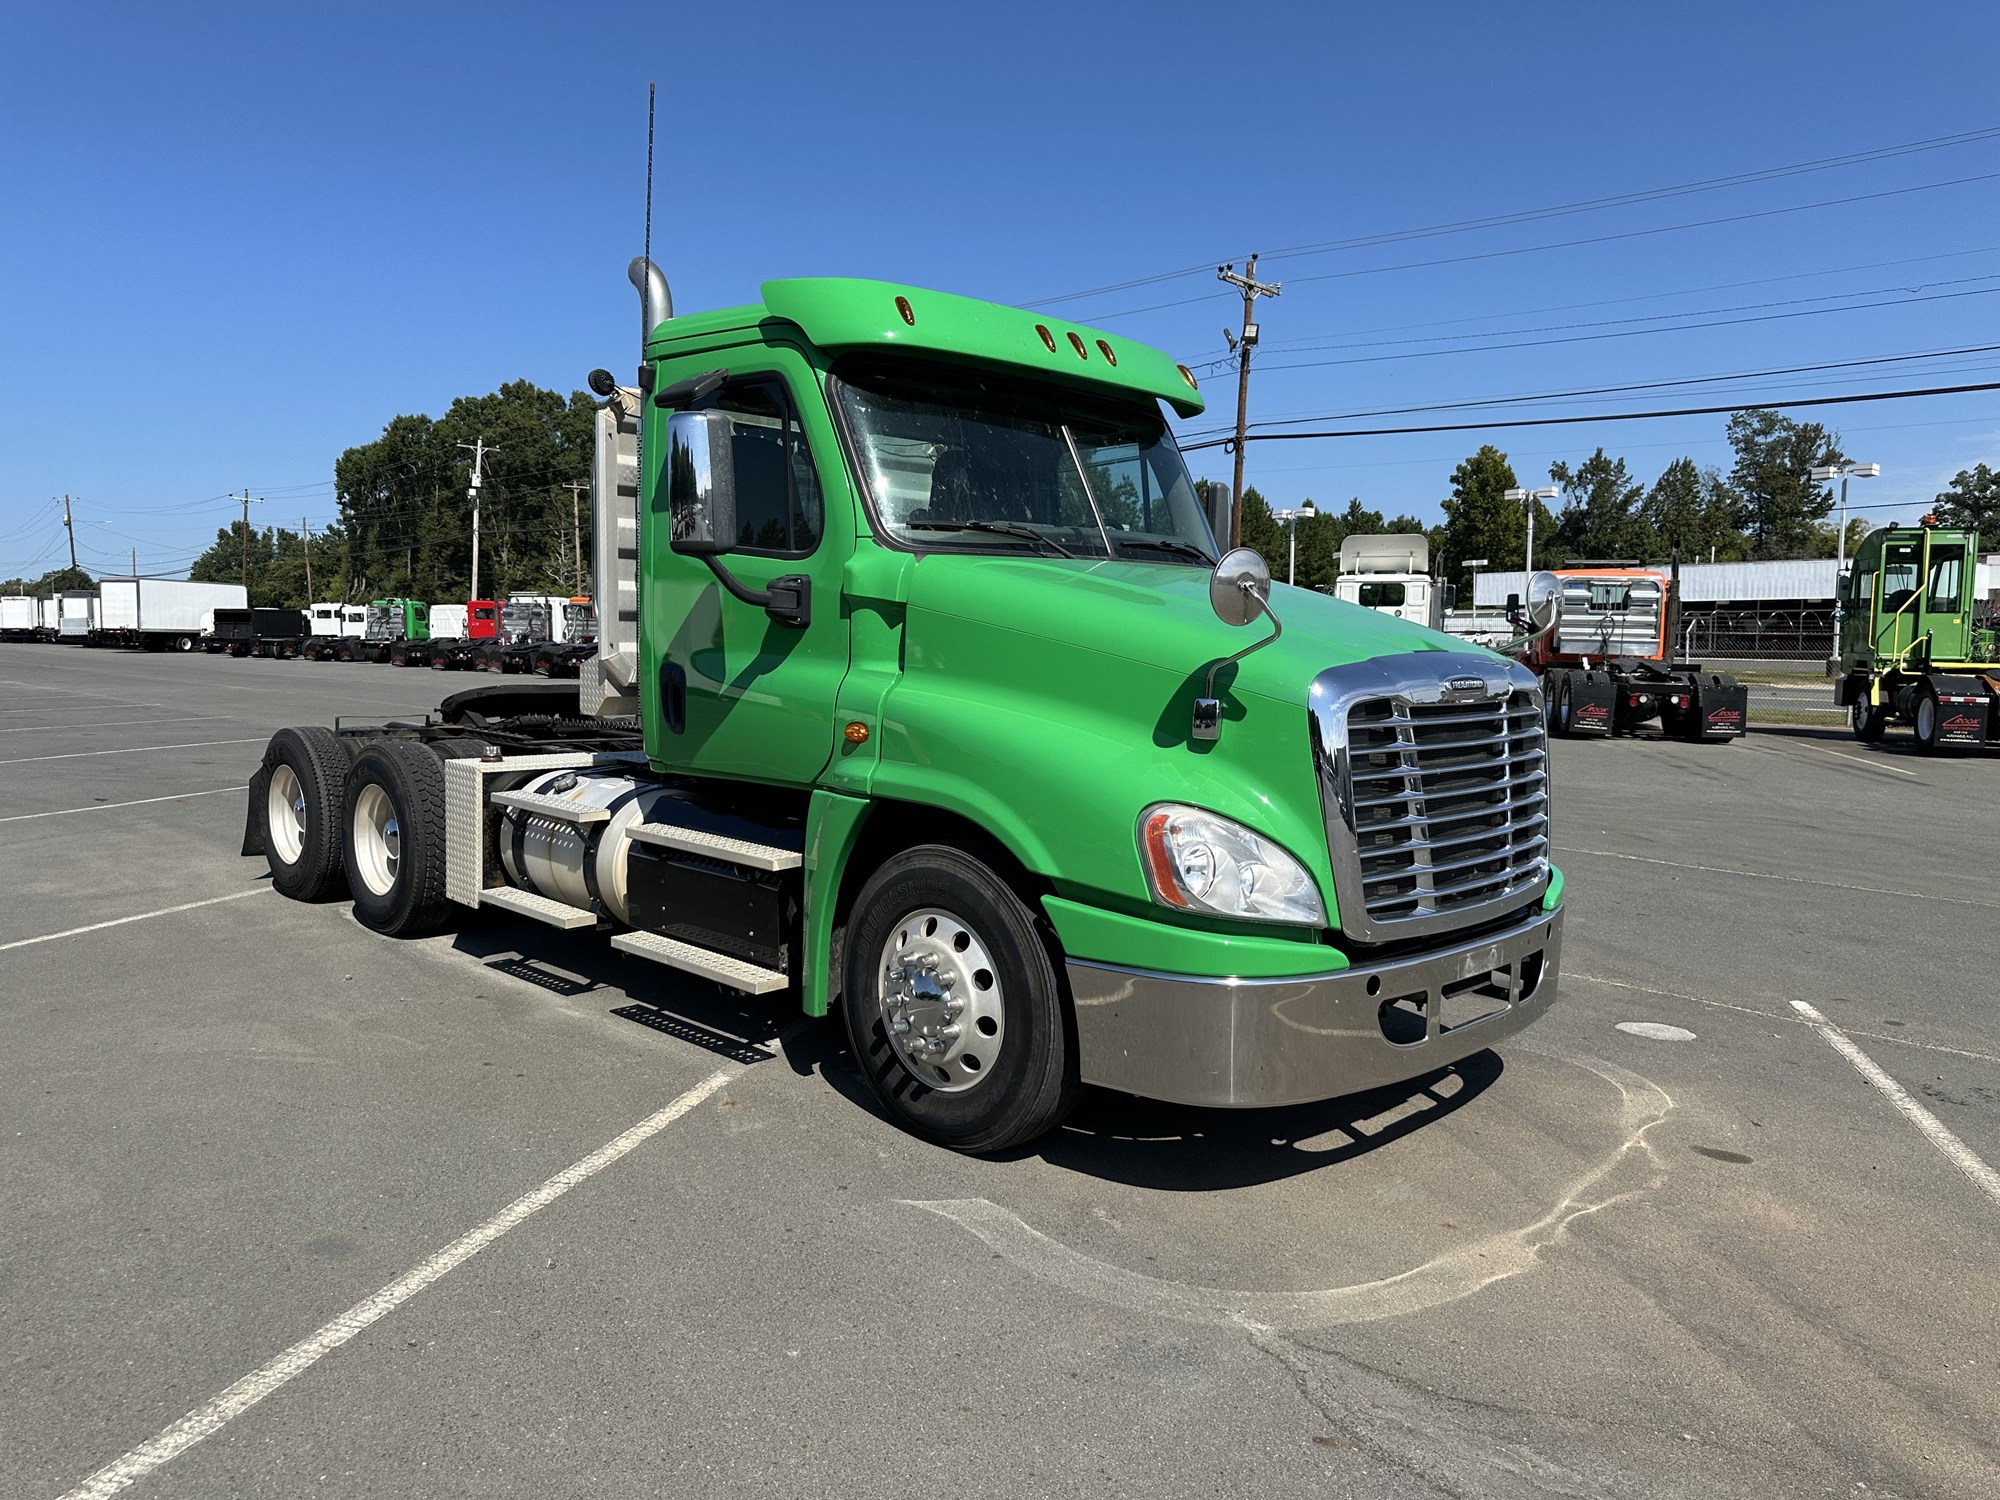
[[405, 527], [1766, 506]]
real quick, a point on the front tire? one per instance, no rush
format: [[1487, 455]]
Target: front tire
[[302, 808], [954, 1004], [394, 839]]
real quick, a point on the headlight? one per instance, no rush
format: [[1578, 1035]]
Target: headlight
[[1196, 861]]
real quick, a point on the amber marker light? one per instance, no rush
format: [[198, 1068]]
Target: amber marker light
[[1188, 376], [1076, 343], [855, 733], [1105, 350], [903, 307], [1047, 337]]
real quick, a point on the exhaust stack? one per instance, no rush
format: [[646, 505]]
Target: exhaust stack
[[609, 684]]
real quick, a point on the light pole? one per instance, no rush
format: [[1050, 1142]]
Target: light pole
[[1291, 519], [1546, 492], [1842, 472], [1476, 563]]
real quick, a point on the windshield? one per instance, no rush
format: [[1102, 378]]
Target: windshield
[[982, 463]]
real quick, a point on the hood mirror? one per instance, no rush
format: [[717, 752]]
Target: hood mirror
[[1239, 590], [1240, 587]]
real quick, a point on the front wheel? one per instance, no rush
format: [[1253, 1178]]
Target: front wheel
[[954, 1005]]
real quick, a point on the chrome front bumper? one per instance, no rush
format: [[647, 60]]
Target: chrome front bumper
[[1256, 1042]]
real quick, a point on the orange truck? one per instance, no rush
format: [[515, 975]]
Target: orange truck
[[1601, 636]]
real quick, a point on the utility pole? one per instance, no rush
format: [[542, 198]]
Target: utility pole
[[576, 526], [247, 503], [135, 562], [1240, 345], [479, 452], [70, 527], [305, 523]]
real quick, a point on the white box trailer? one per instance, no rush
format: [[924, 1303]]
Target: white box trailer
[[48, 618], [160, 614], [77, 619], [18, 617]]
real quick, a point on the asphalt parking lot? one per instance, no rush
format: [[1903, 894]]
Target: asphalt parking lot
[[1722, 1259]]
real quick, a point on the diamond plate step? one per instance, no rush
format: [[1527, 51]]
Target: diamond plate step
[[559, 808], [703, 961], [541, 908], [743, 852]]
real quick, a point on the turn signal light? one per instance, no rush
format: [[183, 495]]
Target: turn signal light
[[856, 733]]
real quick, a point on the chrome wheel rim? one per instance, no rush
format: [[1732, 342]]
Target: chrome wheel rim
[[285, 814], [941, 1001], [378, 841]]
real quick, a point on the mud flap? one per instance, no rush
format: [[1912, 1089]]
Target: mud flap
[[1721, 707], [253, 815], [1592, 703], [1964, 709]]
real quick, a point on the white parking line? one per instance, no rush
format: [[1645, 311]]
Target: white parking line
[[134, 750], [165, 911], [1834, 885], [1771, 1015], [211, 1415], [1935, 1131], [1871, 763], [111, 724], [63, 812]]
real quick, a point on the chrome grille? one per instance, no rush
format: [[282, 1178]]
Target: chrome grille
[[1437, 791]]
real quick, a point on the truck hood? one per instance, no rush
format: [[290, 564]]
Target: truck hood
[[1158, 615]]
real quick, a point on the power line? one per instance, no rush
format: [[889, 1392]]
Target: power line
[[1624, 416], [1587, 205], [1644, 385]]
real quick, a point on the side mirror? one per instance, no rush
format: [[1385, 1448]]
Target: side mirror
[[1239, 590], [701, 484], [1451, 596], [1513, 607], [1240, 587], [1544, 600]]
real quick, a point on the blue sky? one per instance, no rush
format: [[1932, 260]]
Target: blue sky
[[240, 239]]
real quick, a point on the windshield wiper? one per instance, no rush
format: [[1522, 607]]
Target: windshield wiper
[[999, 528], [1183, 548]]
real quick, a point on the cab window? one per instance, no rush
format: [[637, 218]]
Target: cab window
[[1381, 596], [1902, 564], [1947, 576]]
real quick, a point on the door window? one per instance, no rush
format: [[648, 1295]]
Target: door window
[[778, 508], [1947, 574]]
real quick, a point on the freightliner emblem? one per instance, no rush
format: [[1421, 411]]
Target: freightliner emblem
[[1466, 685]]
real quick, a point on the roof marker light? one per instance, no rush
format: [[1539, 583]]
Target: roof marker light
[[1105, 350], [1076, 343], [1188, 376], [1047, 337], [903, 307]]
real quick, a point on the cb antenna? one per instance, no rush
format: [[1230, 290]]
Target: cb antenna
[[646, 286]]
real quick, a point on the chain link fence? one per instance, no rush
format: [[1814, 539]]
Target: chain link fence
[[1781, 654]]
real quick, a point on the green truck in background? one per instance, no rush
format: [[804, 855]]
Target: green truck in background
[[389, 621], [1917, 643], [921, 690]]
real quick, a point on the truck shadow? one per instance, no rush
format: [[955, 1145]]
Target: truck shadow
[[737, 1027], [1185, 1149]]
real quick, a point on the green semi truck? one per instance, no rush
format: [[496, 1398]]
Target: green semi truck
[[389, 621], [1917, 643], [921, 691]]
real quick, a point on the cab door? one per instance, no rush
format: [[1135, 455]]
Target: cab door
[[738, 693]]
